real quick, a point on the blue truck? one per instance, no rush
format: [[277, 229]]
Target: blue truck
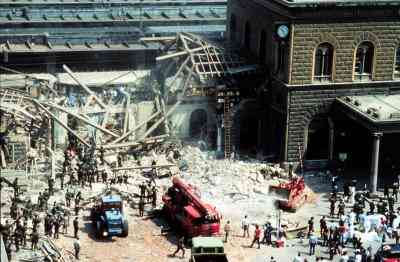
[[108, 217]]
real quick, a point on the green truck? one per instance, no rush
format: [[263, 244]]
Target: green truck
[[207, 249]]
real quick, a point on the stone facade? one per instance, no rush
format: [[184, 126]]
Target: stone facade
[[295, 98], [344, 37]]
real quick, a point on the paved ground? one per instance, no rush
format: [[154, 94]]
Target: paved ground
[[145, 242]]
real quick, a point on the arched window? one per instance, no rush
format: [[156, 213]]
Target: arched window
[[397, 63], [364, 61], [262, 52], [232, 28], [323, 62], [247, 35]]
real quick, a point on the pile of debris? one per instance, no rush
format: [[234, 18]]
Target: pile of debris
[[47, 251], [235, 187]]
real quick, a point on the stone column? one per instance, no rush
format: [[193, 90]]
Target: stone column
[[331, 142], [375, 161]]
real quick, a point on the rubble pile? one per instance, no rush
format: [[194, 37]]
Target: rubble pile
[[235, 187]]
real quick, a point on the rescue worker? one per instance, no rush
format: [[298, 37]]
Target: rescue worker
[[141, 207], [68, 198], [323, 225], [65, 222], [386, 191], [142, 188], [17, 238], [395, 191], [257, 235], [227, 229], [76, 227], [77, 248], [154, 197], [371, 207], [56, 227], [6, 232], [34, 239], [35, 222], [310, 225], [267, 234], [16, 188], [23, 230], [180, 247], [50, 182], [341, 208], [391, 203], [245, 226], [332, 201]]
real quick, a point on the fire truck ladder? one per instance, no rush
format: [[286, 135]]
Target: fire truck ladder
[[227, 126]]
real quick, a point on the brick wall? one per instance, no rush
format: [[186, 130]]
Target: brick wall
[[344, 37]]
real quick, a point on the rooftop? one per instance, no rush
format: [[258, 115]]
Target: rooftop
[[329, 3], [29, 47], [375, 108]]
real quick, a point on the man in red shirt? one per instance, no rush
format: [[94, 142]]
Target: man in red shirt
[[257, 235]]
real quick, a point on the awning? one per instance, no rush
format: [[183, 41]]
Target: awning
[[376, 112]]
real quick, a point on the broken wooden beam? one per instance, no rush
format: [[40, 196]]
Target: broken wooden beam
[[142, 167], [180, 53], [90, 92], [60, 122], [81, 118], [136, 128], [151, 140]]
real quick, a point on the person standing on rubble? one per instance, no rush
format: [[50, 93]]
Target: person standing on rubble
[[245, 226], [257, 235], [34, 239], [267, 234], [154, 197], [141, 206], [77, 248], [50, 182], [65, 222], [56, 227], [180, 247], [76, 227], [35, 222], [310, 225], [142, 188], [227, 229]]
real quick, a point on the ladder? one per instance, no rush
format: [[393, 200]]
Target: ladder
[[301, 160], [228, 127]]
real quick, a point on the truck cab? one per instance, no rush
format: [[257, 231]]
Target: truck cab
[[108, 218], [207, 249]]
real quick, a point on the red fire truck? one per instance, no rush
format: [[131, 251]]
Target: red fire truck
[[184, 208]]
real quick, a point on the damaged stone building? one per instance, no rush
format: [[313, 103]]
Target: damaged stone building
[[334, 89], [105, 44]]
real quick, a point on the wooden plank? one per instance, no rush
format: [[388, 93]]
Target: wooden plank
[[136, 128], [136, 143], [71, 74], [180, 53], [61, 123], [81, 118], [142, 167], [170, 111]]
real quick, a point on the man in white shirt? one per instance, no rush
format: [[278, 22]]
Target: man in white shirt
[[245, 226]]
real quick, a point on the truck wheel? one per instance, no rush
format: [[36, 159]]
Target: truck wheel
[[97, 230], [125, 228]]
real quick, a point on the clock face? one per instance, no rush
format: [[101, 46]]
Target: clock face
[[283, 31]]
